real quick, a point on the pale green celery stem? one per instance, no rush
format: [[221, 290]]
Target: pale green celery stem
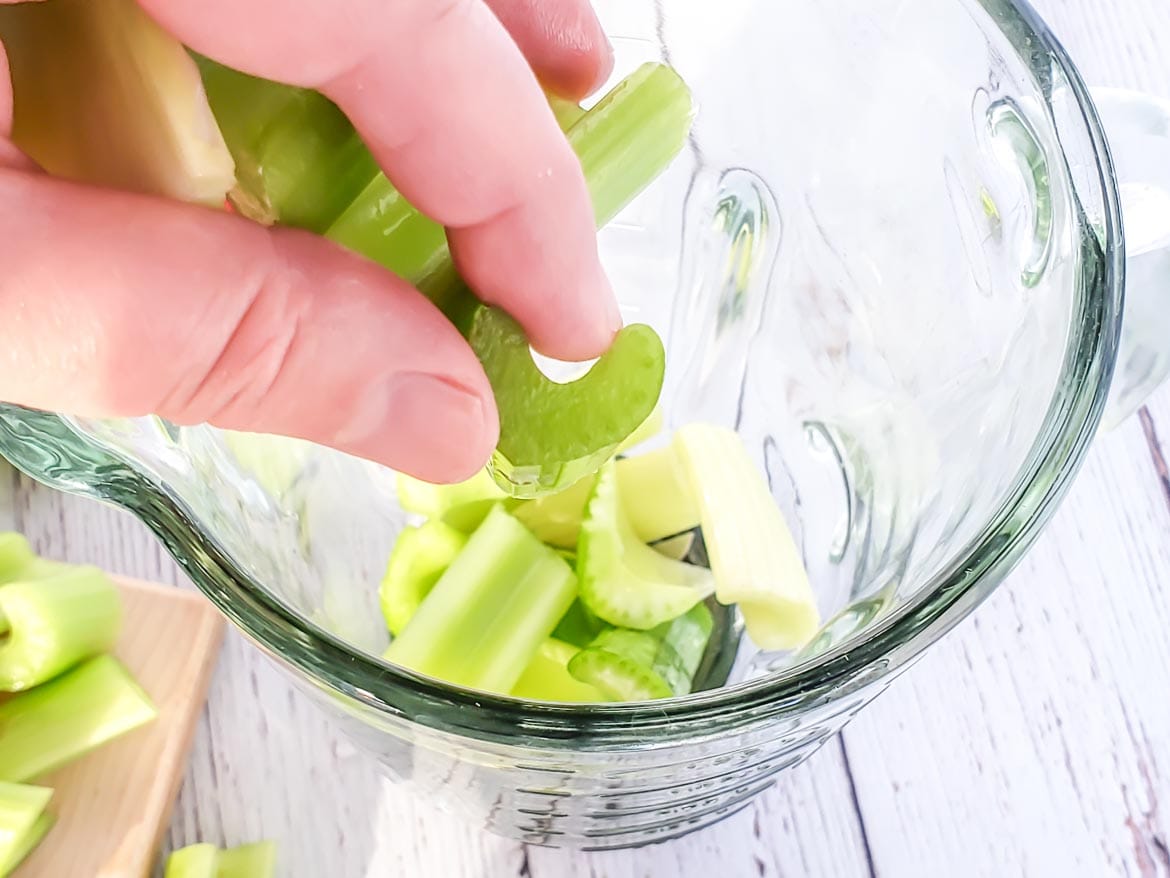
[[490, 611], [58, 721], [754, 557], [23, 822], [54, 623]]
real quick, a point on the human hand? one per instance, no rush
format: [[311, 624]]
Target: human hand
[[121, 305]]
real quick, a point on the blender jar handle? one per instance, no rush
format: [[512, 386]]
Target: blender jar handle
[[1138, 128]]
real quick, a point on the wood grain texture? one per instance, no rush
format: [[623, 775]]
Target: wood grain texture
[[1035, 740], [113, 806]]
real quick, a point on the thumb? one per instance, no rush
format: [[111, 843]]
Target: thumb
[[120, 305]]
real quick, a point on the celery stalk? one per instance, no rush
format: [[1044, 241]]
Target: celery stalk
[[61, 720], [547, 676], [106, 96], [418, 559], [193, 861], [248, 861], [753, 555], [624, 581], [55, 623], [490, 611], [23, 822], [298, 160]]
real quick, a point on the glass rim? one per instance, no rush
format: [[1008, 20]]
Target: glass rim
[[79, 465]]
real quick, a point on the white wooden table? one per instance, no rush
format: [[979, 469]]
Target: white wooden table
[[1033, 741]]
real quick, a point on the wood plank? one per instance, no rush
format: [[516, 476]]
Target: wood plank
[[113, 805]]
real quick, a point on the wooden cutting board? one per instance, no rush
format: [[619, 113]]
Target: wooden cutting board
[[113, 805]]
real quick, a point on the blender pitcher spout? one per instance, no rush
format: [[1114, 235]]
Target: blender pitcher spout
[[1138, 128]]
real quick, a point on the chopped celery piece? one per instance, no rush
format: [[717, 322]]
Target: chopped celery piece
[[432, 501], [299, 161], [655, 492], [29, 843], [649, 428], [61, 720], [753, 556], [55, 623], [104, 95], [274, 462], [23, 822], [624, 581], [248, 861], [18, 561], [490, 611], [193, 861], [578, 626], [677, 547], [556, 518], [640, 665], [207, 861], [418, 559], [547, 676]]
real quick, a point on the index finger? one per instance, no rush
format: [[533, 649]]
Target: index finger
[[457, 119]]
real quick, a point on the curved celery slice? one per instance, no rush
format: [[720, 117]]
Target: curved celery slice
[[418, 559], [46, 727], [104, 95], [624, 581], [55, 623], [552, 435], [640, 665], [547, 676], [753, 556], [489, 612], [617, 677], [23, 822]]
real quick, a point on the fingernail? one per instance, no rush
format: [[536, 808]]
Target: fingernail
[[426, 425]]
